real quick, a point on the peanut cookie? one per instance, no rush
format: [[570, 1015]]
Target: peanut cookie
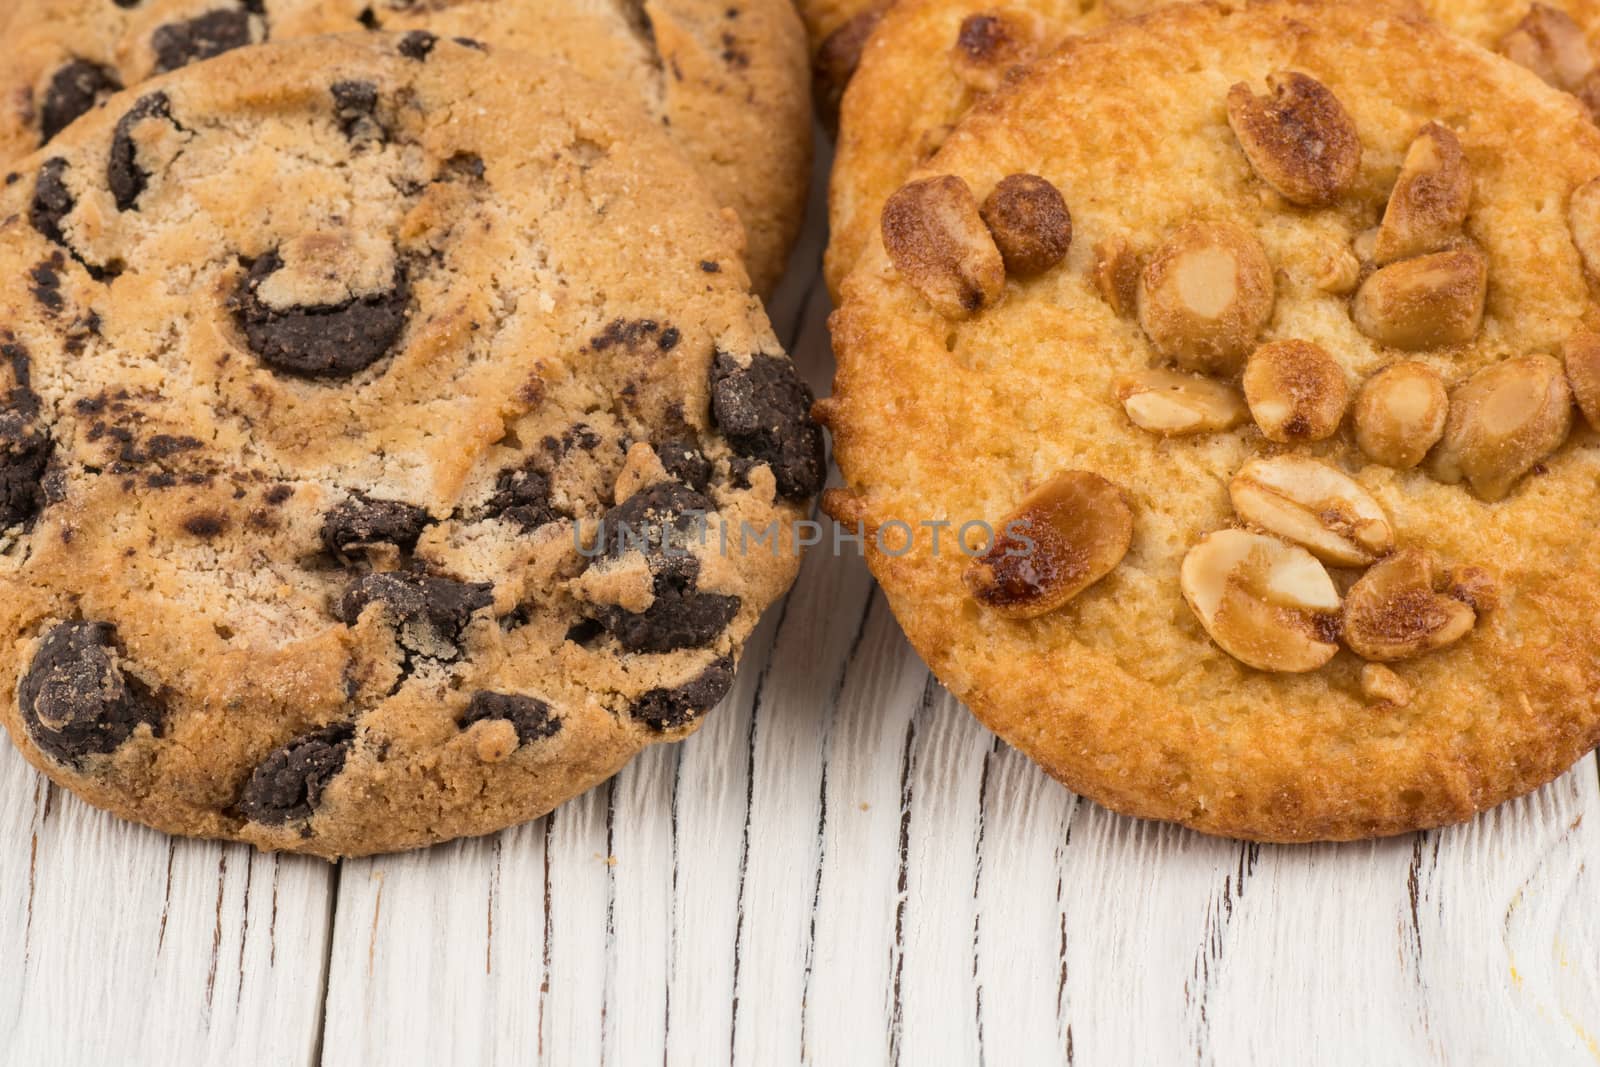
[[728, 79], [367, 399], [1283, 477]]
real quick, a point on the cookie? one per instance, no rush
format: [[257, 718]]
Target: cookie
[[728, 79], [374, 404], [1282, 481]]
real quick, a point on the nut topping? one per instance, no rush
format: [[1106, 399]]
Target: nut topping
[[1300, 140], [1065, 536], [1551, 44], [1400, 414], [1030, 223], [1171, 403], [1425, 302], [1382, 685], [1397, 611], [939, 243], [1312, 504], [1268, 604], [1429, 203], [1205, 295], [989, 45], [1296, 391], [1582, 354], [1583, 218], [1116, 275], [1503, 420]]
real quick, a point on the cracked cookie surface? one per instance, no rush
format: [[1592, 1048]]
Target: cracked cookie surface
[[727, 79], [1360, 595], [344, 391]]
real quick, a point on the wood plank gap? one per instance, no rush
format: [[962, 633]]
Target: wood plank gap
[[331, 930]]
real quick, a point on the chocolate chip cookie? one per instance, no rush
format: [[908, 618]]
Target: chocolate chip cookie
[[728, 79], [1256, 344], [374, 409]]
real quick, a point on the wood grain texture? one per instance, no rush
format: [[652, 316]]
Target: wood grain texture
[[841, 867], [120, 945]]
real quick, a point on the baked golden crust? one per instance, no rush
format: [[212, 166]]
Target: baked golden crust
[[729, 79], [1121, 694]]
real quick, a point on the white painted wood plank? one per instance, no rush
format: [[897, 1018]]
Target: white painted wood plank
[[454, 921], [818, 630], [935, 981], [120, 945], [849, 990], [1021, 934]]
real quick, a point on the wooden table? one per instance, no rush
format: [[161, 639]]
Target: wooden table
[[842, 867]]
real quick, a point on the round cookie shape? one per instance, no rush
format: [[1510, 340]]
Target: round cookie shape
[[369, 421], [716, 74], [1302, 641]]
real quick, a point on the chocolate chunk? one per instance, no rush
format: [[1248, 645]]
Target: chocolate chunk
[[429, 614], [532, 717], [764, 410], [288, 784], [177, 44], [467, 165], [52, 200], [522, 495], [46, 286], [124, 176], [584, 632], [75, 88], [663, 522], [668, 709], [206, 524], [679, 617], [686, 463], [25, 446], [664, 519], [632, 333], [417, 44], [363, 520], [75, 698], [356, 104], [325, 341]]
